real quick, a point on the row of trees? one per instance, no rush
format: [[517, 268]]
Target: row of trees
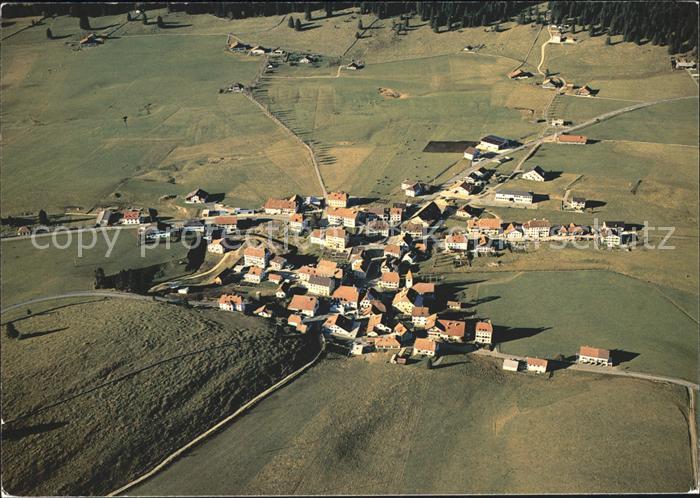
[[660, 23], [137, 280], [672, 23]]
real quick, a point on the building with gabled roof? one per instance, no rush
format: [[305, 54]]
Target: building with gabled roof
[[306, 305], [537, 229], [197, 196], [536, 365], [425, 347], [483, 333], [348, 295], [535, 174], [233, 302], [594, 356], [572, 139], [449, 330], [390, 280], [338, 199], [256, 256]]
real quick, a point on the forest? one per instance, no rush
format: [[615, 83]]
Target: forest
[[660, 23]]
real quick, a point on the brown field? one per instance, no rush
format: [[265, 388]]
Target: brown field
[[354, 426], [96, 393]]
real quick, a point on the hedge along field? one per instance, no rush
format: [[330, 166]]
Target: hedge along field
[[556, 312], [368, 142], [65, 142]]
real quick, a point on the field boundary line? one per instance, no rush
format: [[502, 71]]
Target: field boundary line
[[27, 27], [693, 430], [173, 456], [270, 115], [676, 305], [648, 143], [358, 39]]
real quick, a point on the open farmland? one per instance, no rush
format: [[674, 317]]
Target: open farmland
[[554, 312], [95, 393], [368, 142], [666, 123], [619, 71], [28, 272], [65, 142], [352, 426]]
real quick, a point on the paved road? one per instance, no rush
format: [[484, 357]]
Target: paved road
[[603, 370], [539, 141]]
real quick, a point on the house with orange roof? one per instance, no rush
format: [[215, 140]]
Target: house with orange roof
[[317, 237], [425, 289], [297, 223], [456, 242], [386, 342], [306, 305], [228, 223], [254, 275], [448, 330], [338, 199], [336, 239], [342, 216], [256, 256], [217, 246], [514, 233], [537, 229], [264, 311], [347, 295], [419, 316], [572, 139], [281, 206], [406, 299], [390, 280], [233, 302], [484, 226], [536, 365], [594, 356], [340, 326], [425, 347], [483, 333], [376, 324]]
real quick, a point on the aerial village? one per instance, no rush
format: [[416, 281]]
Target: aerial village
[[359, 283]]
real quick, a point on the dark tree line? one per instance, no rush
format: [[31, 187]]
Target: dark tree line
[[659, 23], [138, 280]]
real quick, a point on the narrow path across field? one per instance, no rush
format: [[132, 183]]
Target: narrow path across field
[[308, 148], [174, 456]]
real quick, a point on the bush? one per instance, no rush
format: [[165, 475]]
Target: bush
[[11, 331], [159, 22]]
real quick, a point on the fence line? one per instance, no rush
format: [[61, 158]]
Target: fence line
[[173, 456]]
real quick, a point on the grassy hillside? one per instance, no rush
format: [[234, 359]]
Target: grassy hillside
[[65, 142], [120, 384], [28, 272], [352, 426], [556, 312], [368, 142]]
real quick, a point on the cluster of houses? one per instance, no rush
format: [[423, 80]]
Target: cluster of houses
[[586, 356], [486, 235]]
